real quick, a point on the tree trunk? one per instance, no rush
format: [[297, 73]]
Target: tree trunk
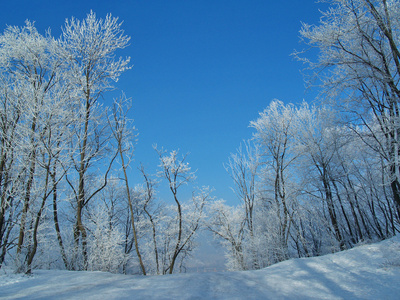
[[331, 210], [178, 242], [56, 223], [135, 237]]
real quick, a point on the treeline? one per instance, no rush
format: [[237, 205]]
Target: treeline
[[314, 179], [66, 200], [319, 179], [308, 186]]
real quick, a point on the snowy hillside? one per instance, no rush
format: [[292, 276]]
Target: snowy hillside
[[365, 272]]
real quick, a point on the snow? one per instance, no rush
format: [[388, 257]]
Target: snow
[[365, 272]]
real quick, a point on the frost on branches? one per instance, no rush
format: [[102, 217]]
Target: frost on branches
[[308, 185], [53, 134], [313, 179], [358, 64], [66, 199], [327, 176]]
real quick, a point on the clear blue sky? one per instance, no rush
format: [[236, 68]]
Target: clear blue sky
[[202, 69]]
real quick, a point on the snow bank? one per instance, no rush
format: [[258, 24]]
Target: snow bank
[[365, 272]]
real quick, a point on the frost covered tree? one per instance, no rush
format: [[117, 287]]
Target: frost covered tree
[[146, 194], [36, 96], [359, 63], [275, 133], [264, 181], [185, 219], [123, 133], [53, 132], [10, 115], [228, 224], [243, 167], [105, 251], [311, 184], [90, 47], [320, 140]]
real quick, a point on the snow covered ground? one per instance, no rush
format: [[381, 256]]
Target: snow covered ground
[[365, 272]]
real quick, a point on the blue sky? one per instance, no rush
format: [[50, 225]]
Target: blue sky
[[202, 70]]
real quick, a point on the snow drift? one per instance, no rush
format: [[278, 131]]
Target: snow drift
[[365, 272]]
